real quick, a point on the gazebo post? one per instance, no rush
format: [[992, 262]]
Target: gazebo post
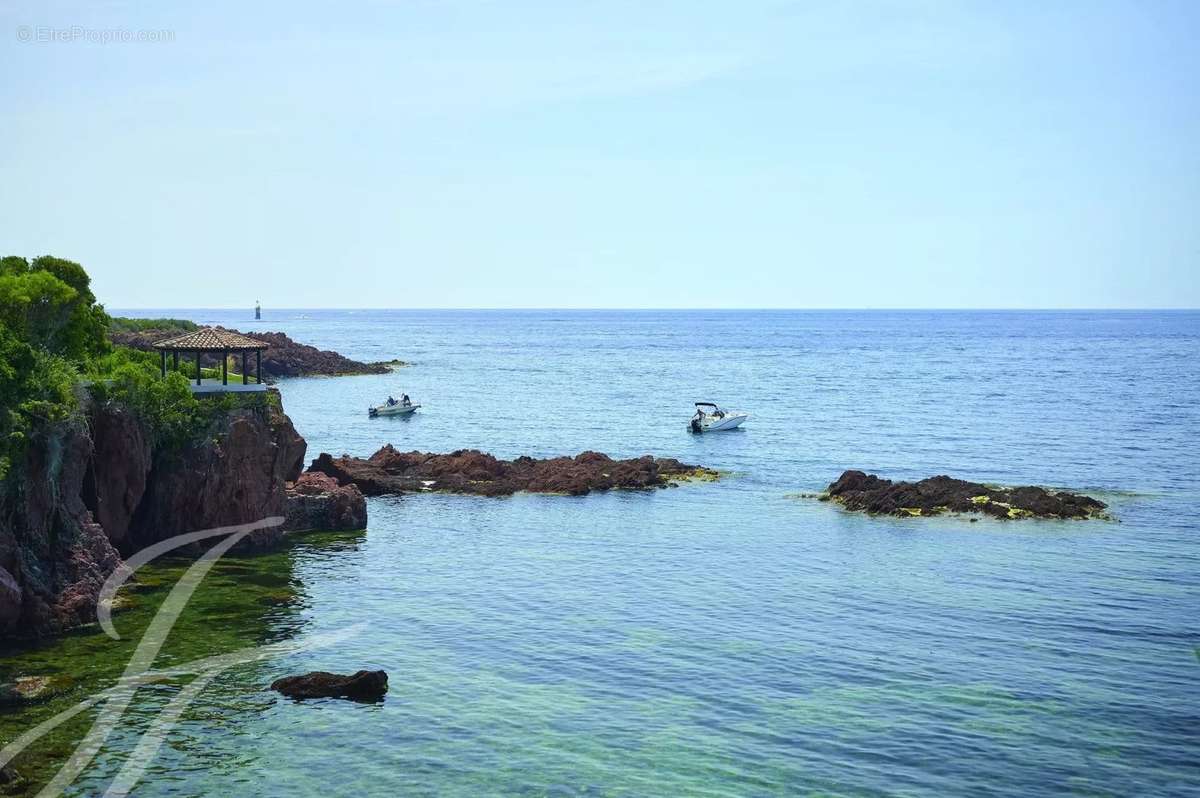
[[163, 352], [175, 358], [245, 376], [197, 367], [224, 366], [258, 366]]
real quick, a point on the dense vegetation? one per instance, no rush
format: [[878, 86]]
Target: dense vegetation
[[51, 328], [53, 342], [123, 324]]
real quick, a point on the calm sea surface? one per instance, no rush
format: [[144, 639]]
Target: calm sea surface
[[734, 638]]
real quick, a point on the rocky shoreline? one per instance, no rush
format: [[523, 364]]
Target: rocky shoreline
[[285, 358], [103, 489], [317, 502], [99, 489], [389, 471], [858, 491]]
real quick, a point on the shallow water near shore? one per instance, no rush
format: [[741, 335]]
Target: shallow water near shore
[[727, 638]]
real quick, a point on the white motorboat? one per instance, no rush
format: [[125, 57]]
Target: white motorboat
[[393, 407], [710, 418]]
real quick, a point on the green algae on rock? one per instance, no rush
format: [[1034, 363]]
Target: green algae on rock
[[25, 690], [856, 490]]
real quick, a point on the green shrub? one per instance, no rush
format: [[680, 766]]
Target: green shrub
[[166, 406], [35, 387], [132, 379], [126, 324]]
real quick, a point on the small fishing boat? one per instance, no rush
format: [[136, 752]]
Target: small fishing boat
[[393, 407], [710, 418]]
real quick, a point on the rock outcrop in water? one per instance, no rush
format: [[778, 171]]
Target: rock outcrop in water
[[288, 358], [470, 471], [360, 686], [868, 493], [285, 358], [317, 501]]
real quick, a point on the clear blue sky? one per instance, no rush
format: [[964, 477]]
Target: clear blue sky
[[435, 153]]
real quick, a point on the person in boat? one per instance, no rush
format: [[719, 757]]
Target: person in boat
[[404, 400], [391, 402]]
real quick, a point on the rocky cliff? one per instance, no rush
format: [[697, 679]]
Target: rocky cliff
[[236, 475], [53, 555], [95, 488]]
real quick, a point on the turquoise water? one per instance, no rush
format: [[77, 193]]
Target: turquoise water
[[735, 638]]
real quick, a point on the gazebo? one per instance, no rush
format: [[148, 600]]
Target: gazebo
[[214, 341]]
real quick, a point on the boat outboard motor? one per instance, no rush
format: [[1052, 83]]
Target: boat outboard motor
[[696, 424]]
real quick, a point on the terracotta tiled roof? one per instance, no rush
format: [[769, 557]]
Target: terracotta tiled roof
[[210, 339]]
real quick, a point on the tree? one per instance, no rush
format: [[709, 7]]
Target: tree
[[13, 264], [69, 272], [50, 329], [49, 305]]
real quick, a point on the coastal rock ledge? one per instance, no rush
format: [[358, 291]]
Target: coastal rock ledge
[[389, 471], [868, 493], [317, 501]]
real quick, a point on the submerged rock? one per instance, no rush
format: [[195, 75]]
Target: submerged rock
[[316, 501], [25, 690], [360, 686], [868, 493], [10, 778], [470, 471]]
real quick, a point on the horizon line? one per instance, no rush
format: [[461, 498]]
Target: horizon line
[[668, 309]]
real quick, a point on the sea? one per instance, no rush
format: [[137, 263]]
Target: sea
[[733, 638]]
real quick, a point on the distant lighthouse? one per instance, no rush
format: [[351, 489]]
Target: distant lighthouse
[[257, 310]]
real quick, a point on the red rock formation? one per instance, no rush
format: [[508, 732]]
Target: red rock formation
[[471, 471], [53, 556], [288, 358], [120, 464], [856, 490], [317, 502], [236, 475]]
